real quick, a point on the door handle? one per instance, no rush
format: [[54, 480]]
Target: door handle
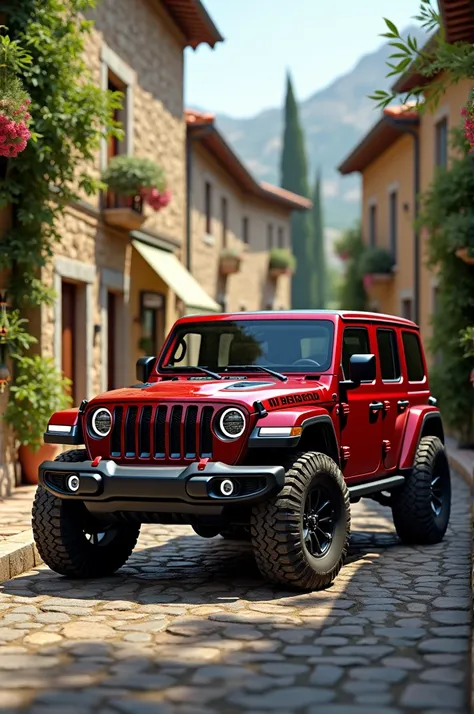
[[376, 406], [403, 404]]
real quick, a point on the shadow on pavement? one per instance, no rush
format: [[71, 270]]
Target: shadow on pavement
[[190, 627], [214, 564]]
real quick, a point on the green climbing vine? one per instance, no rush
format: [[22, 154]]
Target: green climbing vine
[[447, 212], [437, 62], [69, 115]]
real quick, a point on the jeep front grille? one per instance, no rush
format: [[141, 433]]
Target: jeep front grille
[[172, 431]]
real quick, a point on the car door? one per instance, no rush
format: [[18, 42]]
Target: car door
[[361, 436], [393, 393]]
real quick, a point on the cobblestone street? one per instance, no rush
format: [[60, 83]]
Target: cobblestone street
[[189, 627]]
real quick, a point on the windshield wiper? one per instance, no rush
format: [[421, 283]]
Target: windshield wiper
[[207, 371], [237, 367], [201, 369]]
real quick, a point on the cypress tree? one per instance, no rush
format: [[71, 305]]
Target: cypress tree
[[294, 177], [318, 262]]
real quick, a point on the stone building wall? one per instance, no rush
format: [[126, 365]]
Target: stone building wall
[[148, 47], [155, 128], [143, 48]]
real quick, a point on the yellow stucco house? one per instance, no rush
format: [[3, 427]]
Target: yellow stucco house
[[397, 160]]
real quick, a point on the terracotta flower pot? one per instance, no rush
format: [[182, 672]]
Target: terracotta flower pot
[[229, 265], [30, 460], [464, 255], [277, 272]]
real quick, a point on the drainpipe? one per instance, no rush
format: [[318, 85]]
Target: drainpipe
[[189, 171], [406, 127], [191, 135]]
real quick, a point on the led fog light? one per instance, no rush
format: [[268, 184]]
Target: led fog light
[[227, 488], [73, 483]]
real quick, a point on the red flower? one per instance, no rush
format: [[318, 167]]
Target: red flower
[[155, 198], [14, 132]]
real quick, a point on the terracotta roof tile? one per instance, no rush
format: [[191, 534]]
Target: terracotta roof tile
[[458, 19], [192, 116], [402, 111], [283, 193]]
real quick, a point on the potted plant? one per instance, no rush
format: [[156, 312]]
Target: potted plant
[[466, 253], [348, 245], [38, 391], [376, 266], [133, 180], [281, 262], [230, 259]]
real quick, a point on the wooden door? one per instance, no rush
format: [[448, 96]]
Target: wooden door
[[68, 332], [111, 327]]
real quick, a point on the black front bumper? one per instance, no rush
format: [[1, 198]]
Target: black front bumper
[[109, 487]]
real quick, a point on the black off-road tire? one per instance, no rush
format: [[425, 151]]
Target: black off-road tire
[[60, 527], [413, 506], [239, 533], [277, 525]]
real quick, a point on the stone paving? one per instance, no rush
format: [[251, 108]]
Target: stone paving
[[189, 627], [15, 511]]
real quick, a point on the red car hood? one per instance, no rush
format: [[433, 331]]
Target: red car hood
[[245, 392]]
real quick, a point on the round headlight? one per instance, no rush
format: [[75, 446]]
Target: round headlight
[[232, 423], [101, 422]]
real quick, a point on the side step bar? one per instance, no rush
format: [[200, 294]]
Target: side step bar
[[385, 484]]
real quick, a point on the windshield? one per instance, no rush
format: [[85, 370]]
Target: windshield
[[280, 345]]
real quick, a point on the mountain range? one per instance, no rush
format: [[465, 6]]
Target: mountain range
[[334, 120]]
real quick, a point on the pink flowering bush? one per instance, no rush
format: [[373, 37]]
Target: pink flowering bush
[[14, 132], [468, 114], [14, 101], [14, 116]]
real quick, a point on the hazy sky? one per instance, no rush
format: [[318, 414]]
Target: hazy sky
[[316, 39]]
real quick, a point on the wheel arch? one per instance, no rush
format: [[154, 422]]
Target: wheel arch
[[420, 422], [319, 435]]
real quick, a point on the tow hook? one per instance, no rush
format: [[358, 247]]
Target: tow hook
[[202, 464]]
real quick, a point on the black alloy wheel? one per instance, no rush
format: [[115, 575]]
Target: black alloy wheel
[[319, 521]]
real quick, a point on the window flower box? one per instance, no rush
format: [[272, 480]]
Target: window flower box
[[124, 212], [230, 261], [376, 266], [281, 262], [133, 181]]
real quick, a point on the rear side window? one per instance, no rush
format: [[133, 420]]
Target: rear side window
[[355, 342], [413, 357], [388, 355]]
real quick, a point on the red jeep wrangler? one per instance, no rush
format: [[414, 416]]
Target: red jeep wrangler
[[263, 426]]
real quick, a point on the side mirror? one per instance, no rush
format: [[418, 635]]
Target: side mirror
[[362, 369], [145, 368]]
